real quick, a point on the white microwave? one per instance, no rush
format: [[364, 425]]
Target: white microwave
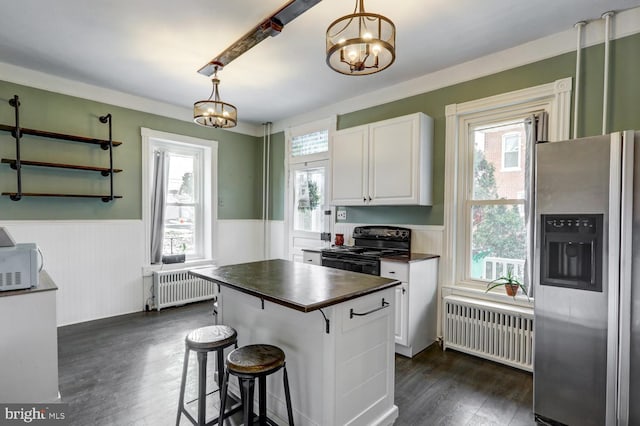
[[18, 267]]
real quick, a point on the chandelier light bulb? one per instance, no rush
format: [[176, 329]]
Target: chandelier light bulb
[[360, 43]]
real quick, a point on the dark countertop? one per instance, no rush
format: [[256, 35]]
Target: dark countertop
[[313, 250], [295, 285], [412, 257], [45, 283]]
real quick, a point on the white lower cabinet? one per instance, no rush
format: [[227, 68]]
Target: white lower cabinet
[[311, 257], [416, 303], [401, 323]]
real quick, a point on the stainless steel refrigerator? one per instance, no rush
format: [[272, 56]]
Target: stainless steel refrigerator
[[587, 281]]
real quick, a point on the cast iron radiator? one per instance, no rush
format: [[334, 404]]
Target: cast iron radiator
[[495, 331]]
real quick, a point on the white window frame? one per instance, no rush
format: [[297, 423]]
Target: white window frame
[[208, 151], [504, 151], [291, 162], [554, 98]]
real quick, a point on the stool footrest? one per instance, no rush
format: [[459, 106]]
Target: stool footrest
[[235, 408]]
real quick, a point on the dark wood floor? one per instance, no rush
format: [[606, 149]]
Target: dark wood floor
[[126, 371]]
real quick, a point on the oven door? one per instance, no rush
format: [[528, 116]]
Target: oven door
[[333, 262], [371, 267], [364, 266]]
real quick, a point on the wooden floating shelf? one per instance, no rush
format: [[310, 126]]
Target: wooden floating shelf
[[103, 170], [34, 194], [53, 135]]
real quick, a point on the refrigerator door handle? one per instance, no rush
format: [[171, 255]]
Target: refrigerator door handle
[[626, 258], [615, 193]]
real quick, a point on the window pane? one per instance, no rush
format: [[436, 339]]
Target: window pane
[[497, 241], [511, 151], [492, 160], [309, 199], [179, 230], [511, 159], [180, 217], [311, 143], [180, 185]]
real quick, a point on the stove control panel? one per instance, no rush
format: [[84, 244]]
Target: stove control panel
[[391, 233]]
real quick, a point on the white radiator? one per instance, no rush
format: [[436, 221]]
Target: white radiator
[[494, 331], [177, 287]]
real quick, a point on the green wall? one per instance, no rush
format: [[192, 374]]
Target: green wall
[[277, 178], [240, 156], [624, 113], [239, 159]]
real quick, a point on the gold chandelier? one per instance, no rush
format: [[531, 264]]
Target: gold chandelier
[[361, 43], [213, 112]]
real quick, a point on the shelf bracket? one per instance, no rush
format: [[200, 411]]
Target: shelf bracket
[[326, 322], [107, 119], [17, 134]]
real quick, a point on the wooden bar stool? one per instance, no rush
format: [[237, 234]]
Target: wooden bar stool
[[203, 340], [247, 364]]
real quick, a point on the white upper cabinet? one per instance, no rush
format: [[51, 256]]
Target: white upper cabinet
[[349, 151], [383, 163]]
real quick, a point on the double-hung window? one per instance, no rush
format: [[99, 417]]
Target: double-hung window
[[489, 182], [184, 209], [178, 188], [493, 210]]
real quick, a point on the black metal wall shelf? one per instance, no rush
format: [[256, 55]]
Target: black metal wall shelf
[[105, 198], [103, 170], [17, 163], [104, 144]]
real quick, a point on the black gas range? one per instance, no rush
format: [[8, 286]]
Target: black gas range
[[370, 244]]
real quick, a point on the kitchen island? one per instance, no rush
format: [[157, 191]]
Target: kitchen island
[[336, 328]]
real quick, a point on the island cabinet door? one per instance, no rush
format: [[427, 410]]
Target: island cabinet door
[[365, 360]]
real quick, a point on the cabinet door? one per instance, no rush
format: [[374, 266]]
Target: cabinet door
[[393, 161], [312, 257], [402, 314], [349, 156]]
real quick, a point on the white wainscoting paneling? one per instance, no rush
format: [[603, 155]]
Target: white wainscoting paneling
[[277, 241], [96, 264], [240, 241]]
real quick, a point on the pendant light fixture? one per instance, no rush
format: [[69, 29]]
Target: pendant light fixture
[[361, 43], [213, 112]]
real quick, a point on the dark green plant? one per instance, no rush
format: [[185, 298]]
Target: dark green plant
[[507, 279]]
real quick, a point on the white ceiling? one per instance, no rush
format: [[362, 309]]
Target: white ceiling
[[153, 49]]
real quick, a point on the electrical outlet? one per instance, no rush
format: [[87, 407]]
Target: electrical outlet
[[342, 215]]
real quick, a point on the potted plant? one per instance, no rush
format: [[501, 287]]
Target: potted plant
[[510, 283]]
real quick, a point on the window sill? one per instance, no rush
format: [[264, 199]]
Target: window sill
[[148, 270], [492, 296]]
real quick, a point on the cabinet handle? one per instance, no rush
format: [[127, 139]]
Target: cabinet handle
[[404, 290], [392, 272], [369, 197], [361, 314], [309, 260], [364, 199]]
